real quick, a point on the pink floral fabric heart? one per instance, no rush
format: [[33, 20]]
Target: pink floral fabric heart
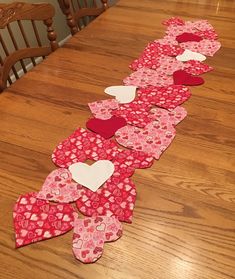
[[156, 136], [145, 77], [36, 220], [103, 109], [205, 47], [59, 187], [90, 234]]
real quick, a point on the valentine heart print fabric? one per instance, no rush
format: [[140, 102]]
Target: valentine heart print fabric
[[156, 136], [36, 220], [59, 187], [90, 234]]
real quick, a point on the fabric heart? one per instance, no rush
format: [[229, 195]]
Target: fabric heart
[[165, 97], [196, 67], [156, 136], [123, 94], [145, 77], [36, 220], [92, 177], [135, 113], [182, 77], [59, 187], [106, 128], [205, 47], [190, 55], [90, 234], [175, 21], [116, 198], [188, 37], [83, 145], [155, 54], [102, 109]]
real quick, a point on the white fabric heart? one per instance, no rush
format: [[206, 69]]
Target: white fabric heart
[[92, 177], [190, 55], [123, 94]]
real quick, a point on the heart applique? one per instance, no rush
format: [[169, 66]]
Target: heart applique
[[123, 94], [135, 113], [175, 21], [196, 67], [184, 78], [115, 198], [36, 220], [102, 109], [188, 37], [83, 145], [190, 55], [156, 136], [106, 128], [205, 47], [90, 234], [94, 176], [145, 77], [157, 55], [59, 187], [165, 97]]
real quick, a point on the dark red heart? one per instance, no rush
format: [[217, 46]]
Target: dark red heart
[[188, 37], [106, 128], [184, 78]]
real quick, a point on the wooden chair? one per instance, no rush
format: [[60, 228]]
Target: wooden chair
[[12, 17], [79, 13]]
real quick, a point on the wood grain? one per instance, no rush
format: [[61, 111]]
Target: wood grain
[[184, 225]]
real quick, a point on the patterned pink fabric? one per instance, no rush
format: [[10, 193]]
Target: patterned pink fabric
[[201, 28], [135, 113], [36, 220], [164, 65], [59, 187], [196, 68], [154, 54], [83, 145], [90, 234], [165, 97], [175, 21], [145, 77], [102, 109], [156, 136], [205, 47], [117, 196]]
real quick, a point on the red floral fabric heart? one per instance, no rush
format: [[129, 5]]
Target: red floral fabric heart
[[106, 128], [182, 77], [36, 220]]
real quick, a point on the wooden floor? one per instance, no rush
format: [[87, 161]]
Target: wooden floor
[[183, 225]]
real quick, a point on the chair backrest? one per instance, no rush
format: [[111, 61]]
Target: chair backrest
[[79, 13], [16, 45]]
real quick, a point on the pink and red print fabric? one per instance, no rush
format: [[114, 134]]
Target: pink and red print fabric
[[129, 135], [90, 234]]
